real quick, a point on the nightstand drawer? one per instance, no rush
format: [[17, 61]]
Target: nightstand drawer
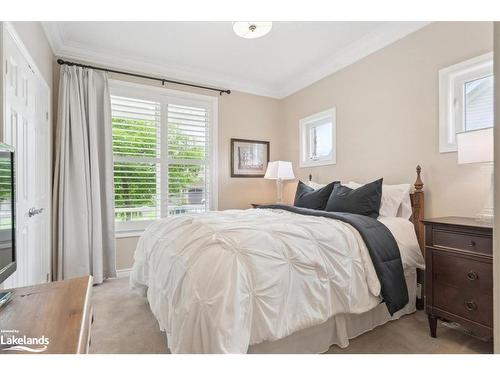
[[462, 241], [463, 273], [475, 307]]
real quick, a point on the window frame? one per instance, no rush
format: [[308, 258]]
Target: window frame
[[164, 97], [451, 97], [305, 125]]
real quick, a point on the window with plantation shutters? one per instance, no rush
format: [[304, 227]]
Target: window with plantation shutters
[[163, 146]]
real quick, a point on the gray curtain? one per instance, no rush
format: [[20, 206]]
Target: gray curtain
[[83, 191]]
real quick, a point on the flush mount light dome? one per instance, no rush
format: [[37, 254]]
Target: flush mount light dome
[[251, 29]]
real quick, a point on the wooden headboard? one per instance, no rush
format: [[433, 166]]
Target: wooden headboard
[[417, 206]]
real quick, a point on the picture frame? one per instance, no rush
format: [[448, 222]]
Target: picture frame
[[249, 158]]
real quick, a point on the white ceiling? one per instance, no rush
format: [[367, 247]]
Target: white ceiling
[[292, 56]]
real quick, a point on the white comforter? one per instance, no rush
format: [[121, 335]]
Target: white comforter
[[221, 281]]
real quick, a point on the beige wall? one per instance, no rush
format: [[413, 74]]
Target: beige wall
[[249, 117], [125, 248], [387, 117]]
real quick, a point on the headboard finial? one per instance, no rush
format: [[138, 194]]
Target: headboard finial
[[417, 202], [418, 182]]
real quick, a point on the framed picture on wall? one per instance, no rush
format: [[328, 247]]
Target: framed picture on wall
[[249, 158]]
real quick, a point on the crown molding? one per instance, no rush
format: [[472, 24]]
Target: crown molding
[[54, 35], [378, 39], [156, 69]]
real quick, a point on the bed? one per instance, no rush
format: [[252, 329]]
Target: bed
[[277, 279]]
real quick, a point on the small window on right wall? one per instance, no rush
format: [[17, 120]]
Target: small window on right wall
[[465, 99], [317, 139]]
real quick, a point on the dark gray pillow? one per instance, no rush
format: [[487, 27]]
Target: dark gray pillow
[[307, 197], [364, 200]]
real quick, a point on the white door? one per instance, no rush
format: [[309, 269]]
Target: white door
[[26, 127]]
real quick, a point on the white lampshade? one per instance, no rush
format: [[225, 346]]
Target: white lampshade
[[475, 146], [279, 170]]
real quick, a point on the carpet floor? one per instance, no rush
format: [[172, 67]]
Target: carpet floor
[[123, 323]]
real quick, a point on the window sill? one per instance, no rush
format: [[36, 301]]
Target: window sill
[[129, 233], [319, 163]]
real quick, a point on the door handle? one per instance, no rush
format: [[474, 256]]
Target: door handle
[[35, 211]]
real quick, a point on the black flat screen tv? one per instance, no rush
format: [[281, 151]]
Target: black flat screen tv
[[7, 213]]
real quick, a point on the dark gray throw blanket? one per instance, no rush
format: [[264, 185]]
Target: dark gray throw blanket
[[383, 249]]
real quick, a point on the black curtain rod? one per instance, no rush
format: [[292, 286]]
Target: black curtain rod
[[162, 80]]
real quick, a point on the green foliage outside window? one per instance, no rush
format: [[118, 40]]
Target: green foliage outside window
[[5, 194], [136, 183]]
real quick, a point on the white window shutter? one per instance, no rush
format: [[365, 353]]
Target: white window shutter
[[188, 150], [136, 128]]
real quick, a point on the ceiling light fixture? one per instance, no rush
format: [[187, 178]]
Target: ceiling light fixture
[[251, 29]]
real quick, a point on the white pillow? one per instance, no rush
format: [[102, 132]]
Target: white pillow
[[315, 185], [405, 211], [395, 200]]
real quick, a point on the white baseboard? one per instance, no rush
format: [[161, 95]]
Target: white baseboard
[[123, 273]]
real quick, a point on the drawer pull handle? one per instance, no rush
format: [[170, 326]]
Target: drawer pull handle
[[472, 243], [471, 305], [471, 275]]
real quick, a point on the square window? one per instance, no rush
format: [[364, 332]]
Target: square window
[[317, 139], [465, 99]]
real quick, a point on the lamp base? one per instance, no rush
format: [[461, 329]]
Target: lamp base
[[279, 191], [486, 214]]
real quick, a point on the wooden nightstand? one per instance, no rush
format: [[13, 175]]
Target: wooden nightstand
[[459, 273]]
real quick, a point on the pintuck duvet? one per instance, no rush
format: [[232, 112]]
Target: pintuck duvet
[[221, 281]]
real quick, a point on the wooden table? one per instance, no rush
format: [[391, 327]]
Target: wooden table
[[60, 312]]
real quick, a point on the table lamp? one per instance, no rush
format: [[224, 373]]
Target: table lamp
[[279, 171]]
